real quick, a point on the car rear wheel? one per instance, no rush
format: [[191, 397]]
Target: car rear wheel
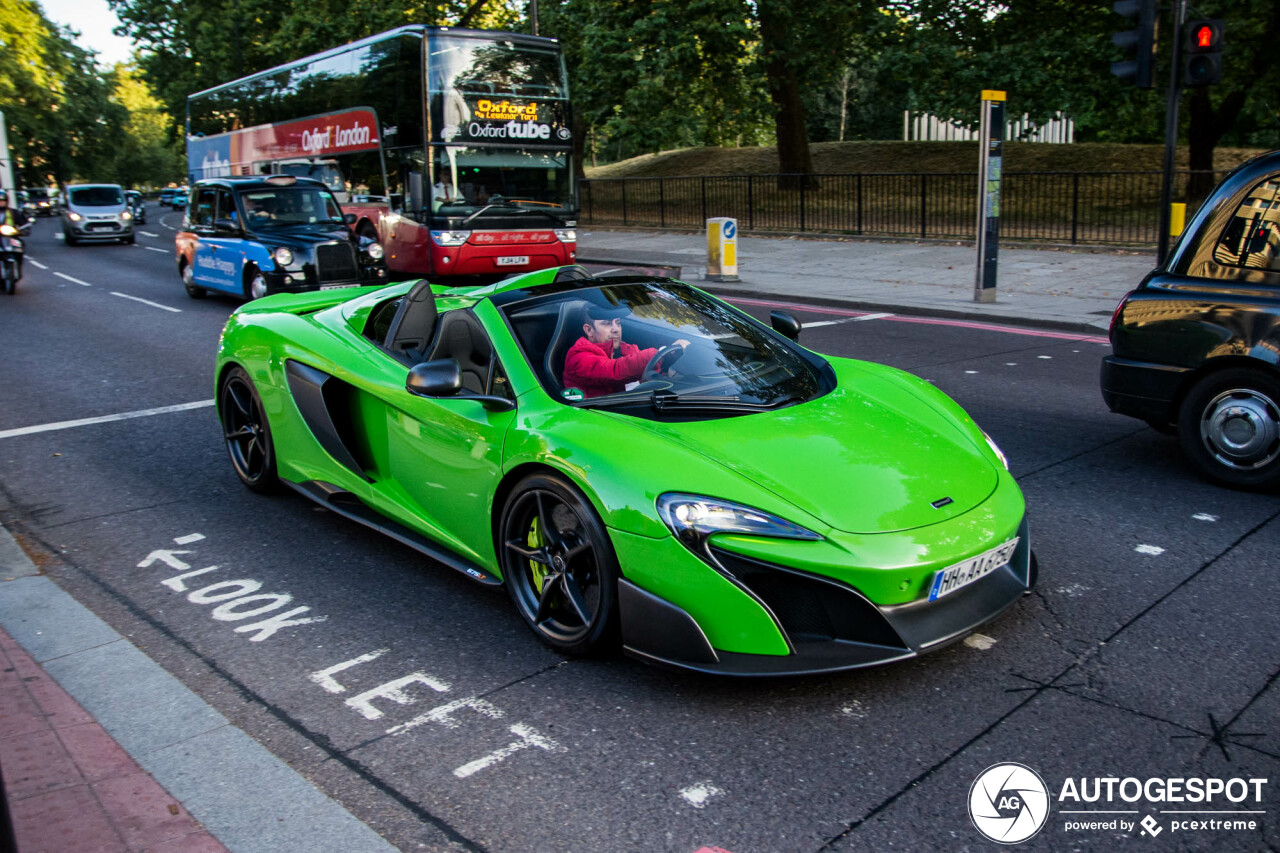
[[247, 433], [194, 290], [1229, 427], [559, 566]]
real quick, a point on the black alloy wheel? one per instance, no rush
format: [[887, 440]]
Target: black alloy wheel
[[559, 566], [247, 433], [1229, 427]]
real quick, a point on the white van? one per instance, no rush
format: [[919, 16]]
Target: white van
[[96, 212]]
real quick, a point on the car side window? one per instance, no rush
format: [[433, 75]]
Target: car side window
[[202, 214], [227, 205], [1252, 237]]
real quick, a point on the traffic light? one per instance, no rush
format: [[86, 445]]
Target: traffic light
[[1140, 42], [1202, 60]]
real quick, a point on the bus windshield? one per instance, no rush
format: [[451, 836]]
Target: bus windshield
[[470, 179], [473, 66]]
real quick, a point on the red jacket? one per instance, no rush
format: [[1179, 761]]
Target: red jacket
[[591, 367]]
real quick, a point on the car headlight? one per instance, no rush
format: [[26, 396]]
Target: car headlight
[[692, 518], [375, 251], [566, 235], [8, 230], [283, 256], [995, 448], [73, 216], [450, 238], [126, 215]]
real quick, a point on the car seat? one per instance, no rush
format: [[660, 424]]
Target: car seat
[[568, 329], [460, 337], [413, 325]]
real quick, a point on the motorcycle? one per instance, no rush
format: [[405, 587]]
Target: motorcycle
[[11, 251]]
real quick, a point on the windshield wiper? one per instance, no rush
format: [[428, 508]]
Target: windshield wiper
[[492, 205], [663, 401]]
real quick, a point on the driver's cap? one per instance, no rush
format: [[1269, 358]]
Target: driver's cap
[[606, 312]]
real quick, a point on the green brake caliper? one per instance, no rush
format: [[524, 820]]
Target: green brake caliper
[[536, 570]]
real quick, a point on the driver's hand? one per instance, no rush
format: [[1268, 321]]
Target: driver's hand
[[681, 343]]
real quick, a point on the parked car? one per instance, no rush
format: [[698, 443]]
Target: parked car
[[137, 206], [260, 235], [748, 508], [1196, 347], [96, 213], [166, 196]]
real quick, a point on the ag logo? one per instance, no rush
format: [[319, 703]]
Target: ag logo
[[1008, 803]]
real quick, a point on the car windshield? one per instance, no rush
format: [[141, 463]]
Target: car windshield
[[290, 206], [96, 196], [680, 352]]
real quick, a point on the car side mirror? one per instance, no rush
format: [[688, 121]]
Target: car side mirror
[[784, 323], [443, 378], [439, 378], [349, 218]]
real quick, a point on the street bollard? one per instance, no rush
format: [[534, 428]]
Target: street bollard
[[722, 250]]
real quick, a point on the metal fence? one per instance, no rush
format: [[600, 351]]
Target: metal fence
[[1057, 207]]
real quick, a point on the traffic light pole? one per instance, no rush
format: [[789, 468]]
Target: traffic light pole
[[1171, 130]]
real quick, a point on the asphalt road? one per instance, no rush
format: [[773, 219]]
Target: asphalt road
[[1149, 649]]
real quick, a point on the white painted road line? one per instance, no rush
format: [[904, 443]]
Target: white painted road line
[[148, 234], [103, 419], [147, 302], [73, 280], [846, 320], [37, 264], [154, 249]]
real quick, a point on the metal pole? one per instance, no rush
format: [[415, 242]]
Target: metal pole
[[533, 15], [990, 168], [1171, 129]]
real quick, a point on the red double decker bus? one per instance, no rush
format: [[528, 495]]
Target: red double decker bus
[[452, 147]]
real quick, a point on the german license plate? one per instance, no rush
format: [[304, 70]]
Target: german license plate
[[962, 574], [511, 260]]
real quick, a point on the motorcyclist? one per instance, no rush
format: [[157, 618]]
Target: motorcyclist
[[12, 216]]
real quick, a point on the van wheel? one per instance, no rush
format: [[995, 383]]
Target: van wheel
[[68, 238]]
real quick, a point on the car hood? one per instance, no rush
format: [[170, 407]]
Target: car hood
[[302, 236], [872, 456]]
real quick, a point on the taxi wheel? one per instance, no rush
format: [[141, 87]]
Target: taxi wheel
[[255, 284], [194, 290], [1229, 427]]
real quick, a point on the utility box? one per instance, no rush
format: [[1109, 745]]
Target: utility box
[[722, 250]]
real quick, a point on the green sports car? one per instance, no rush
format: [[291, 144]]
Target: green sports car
[[705, 492]]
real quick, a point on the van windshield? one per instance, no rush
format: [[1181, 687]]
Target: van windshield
[[96, 196]]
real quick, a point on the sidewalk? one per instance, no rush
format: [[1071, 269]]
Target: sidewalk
[[103, 751], [1071, 289]]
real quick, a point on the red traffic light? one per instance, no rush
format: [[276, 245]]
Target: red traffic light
[[1204, 37]]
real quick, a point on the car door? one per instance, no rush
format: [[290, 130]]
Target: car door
[[213, 269], [436, 462]]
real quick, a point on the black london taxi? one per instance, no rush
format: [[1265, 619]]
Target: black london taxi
[[280, 234], [1196, 347]]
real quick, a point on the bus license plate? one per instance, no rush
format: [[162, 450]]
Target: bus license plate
[[339, 286], [512, 260], [948, 580]]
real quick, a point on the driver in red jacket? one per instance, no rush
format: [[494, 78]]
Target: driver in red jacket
[[599, 362]]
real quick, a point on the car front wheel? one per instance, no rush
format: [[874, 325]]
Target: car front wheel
[[246, 432], [1229, 427], [559, 566], [255, 284]]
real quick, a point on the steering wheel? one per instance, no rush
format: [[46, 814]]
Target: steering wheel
[[661, 362]]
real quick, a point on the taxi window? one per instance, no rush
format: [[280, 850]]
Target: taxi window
[[202, 214], [1252, 237]]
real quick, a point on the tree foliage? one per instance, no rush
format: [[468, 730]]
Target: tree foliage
[[67, 118]]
